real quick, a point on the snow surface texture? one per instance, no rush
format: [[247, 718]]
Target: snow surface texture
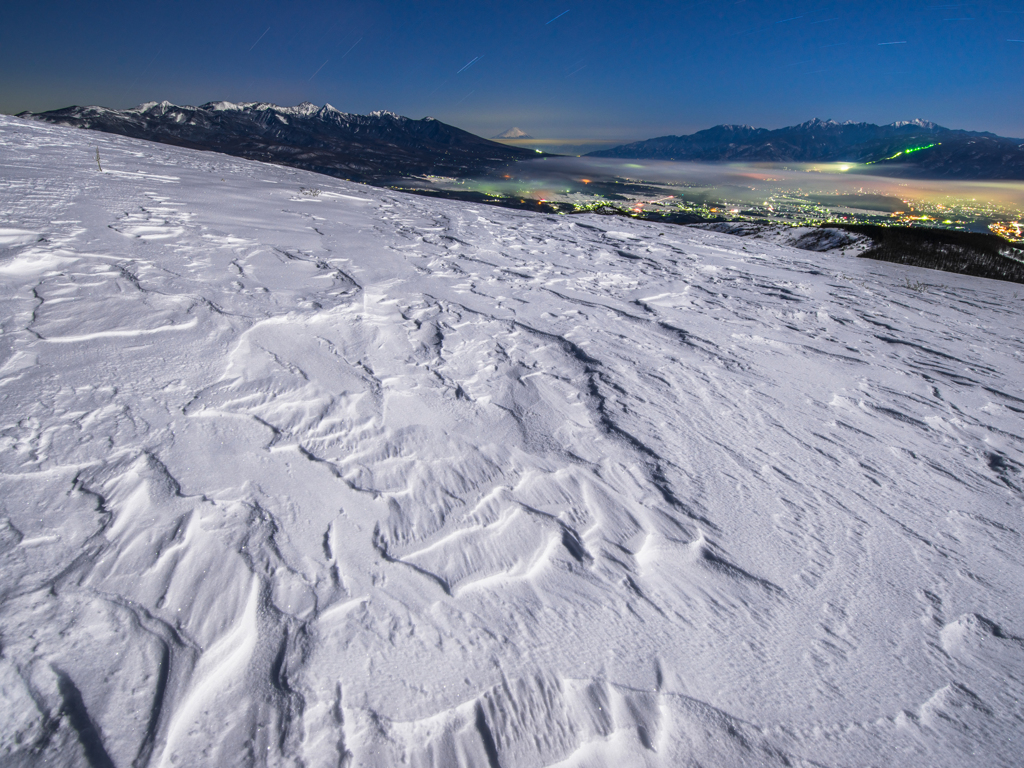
[[299, 472], [821, 239]]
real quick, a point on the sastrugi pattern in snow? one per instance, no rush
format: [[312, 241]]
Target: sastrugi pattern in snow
[[299, 472]]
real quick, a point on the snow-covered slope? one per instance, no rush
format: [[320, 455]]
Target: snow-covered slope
[[820, 239], [356, 478]]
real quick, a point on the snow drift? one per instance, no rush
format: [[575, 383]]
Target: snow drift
[[299, 472]]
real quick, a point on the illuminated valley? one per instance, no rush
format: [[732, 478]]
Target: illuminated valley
[[794, 194]]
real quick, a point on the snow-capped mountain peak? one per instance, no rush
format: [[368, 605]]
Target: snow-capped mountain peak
[[154, 107], [817, 122], [918, 122], [223, 106], [513, 133], [305, 108]]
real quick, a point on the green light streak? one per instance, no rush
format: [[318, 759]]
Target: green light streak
[[904, 152]]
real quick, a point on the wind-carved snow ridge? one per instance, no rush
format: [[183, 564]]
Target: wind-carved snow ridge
[[367, 479]]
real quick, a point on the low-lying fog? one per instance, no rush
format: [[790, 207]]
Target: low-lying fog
[[833, 184]]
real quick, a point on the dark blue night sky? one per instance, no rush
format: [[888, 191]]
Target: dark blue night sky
[[567, 69]]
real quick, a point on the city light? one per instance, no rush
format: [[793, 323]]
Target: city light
[[754, 194], [1010, 230]]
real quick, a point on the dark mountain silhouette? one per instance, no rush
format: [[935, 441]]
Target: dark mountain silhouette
[[908, 148], [374, 147]]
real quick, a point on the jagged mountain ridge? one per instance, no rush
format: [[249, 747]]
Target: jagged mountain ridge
[[371, 147], [955, 154]]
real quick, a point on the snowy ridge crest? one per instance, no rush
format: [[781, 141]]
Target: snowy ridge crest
[[381, 145], [305, 109], [917, 122]]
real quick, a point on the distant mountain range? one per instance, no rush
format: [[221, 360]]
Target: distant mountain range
[[907, 148], [382, 146], [374, 147], [514, 133]]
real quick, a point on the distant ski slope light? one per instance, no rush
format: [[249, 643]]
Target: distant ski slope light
[[360, 478], [904, 152]]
